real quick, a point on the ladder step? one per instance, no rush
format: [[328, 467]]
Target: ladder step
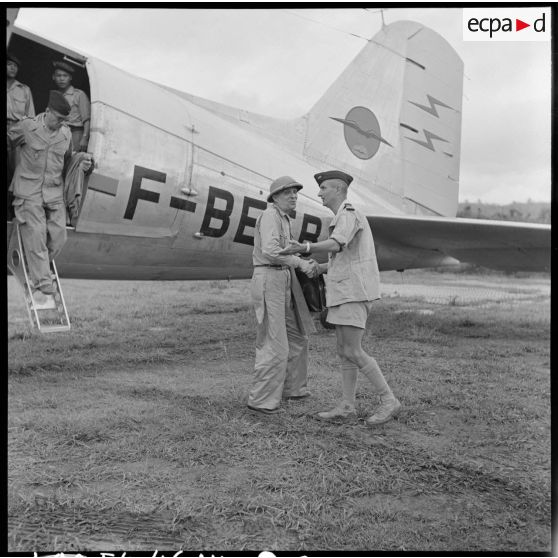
[[46, 303], [47, 313], [52, 329]]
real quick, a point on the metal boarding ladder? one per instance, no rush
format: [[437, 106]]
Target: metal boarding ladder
[[47, 313]]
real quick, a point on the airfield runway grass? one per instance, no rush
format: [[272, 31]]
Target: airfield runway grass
[[130, 432]]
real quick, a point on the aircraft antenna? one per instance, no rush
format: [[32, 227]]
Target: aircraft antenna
[[325, 25], [381, 11]]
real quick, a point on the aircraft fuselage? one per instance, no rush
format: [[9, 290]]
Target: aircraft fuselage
[[176, 191]]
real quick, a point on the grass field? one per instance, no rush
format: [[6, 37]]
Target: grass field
[[130, 432]]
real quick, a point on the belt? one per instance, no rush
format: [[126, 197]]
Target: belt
[[273, 266], [76, 127]]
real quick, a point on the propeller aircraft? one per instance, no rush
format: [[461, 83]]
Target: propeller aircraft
[[176, 189]]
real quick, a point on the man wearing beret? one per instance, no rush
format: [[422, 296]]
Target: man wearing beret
[[352, 283], [80, 107], [281, 366], [38, 186]]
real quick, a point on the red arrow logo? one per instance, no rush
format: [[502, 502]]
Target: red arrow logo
[[519, 25]]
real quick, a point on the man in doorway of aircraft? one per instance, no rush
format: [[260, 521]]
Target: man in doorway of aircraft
[[19, 106], [80, 113], [283, 320], [18, 95], [38, 186], [353, 282]]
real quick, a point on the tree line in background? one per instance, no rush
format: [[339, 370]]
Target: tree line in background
[[529, 211]]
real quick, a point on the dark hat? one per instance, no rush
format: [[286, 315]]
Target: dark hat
[[327, 175], [11, 57], [57, 102], [61, 65], [282, 183]]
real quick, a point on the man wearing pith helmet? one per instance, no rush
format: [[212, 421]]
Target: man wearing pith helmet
[[281, 366], [352, 283]]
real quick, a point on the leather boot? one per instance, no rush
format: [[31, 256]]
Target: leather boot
[[342, 411], [389, 407]]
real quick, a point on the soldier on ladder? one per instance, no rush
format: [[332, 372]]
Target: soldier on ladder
[[38, 187]]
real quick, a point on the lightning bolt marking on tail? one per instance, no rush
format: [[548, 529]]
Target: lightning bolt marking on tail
[[432, 108], [429, 137]]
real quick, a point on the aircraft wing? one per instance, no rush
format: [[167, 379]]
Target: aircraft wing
[[404, 242]]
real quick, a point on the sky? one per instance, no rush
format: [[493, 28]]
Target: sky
[[280, 61]]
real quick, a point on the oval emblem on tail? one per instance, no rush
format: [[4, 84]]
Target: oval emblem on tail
[[362, 132]]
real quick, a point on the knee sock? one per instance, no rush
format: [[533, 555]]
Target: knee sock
[[374, 374], [349, 374]]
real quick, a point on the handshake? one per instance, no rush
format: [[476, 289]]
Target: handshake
[[310, 268]]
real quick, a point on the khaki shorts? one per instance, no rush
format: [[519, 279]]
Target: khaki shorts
[[351, 313]]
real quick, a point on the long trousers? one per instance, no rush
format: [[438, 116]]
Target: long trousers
[[43, 232], [281, 367]]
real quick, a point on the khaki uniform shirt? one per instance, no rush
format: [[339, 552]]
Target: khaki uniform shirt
[[38, 176], [272, 234], [20, 101], [353, 274], [80, 108]]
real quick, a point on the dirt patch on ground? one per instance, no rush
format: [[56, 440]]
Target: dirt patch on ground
[[131, 432]]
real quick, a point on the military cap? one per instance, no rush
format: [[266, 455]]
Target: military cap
[[61, 65], [57, 102], [282, 183], [327, 175], [12, 58]]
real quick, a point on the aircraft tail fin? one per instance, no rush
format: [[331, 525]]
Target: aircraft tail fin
[[393, 121]]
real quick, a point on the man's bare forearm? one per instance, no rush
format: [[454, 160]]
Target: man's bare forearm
[[324, 246]]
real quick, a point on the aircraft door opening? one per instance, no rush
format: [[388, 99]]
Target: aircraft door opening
[[36, 68], [34, 59]]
